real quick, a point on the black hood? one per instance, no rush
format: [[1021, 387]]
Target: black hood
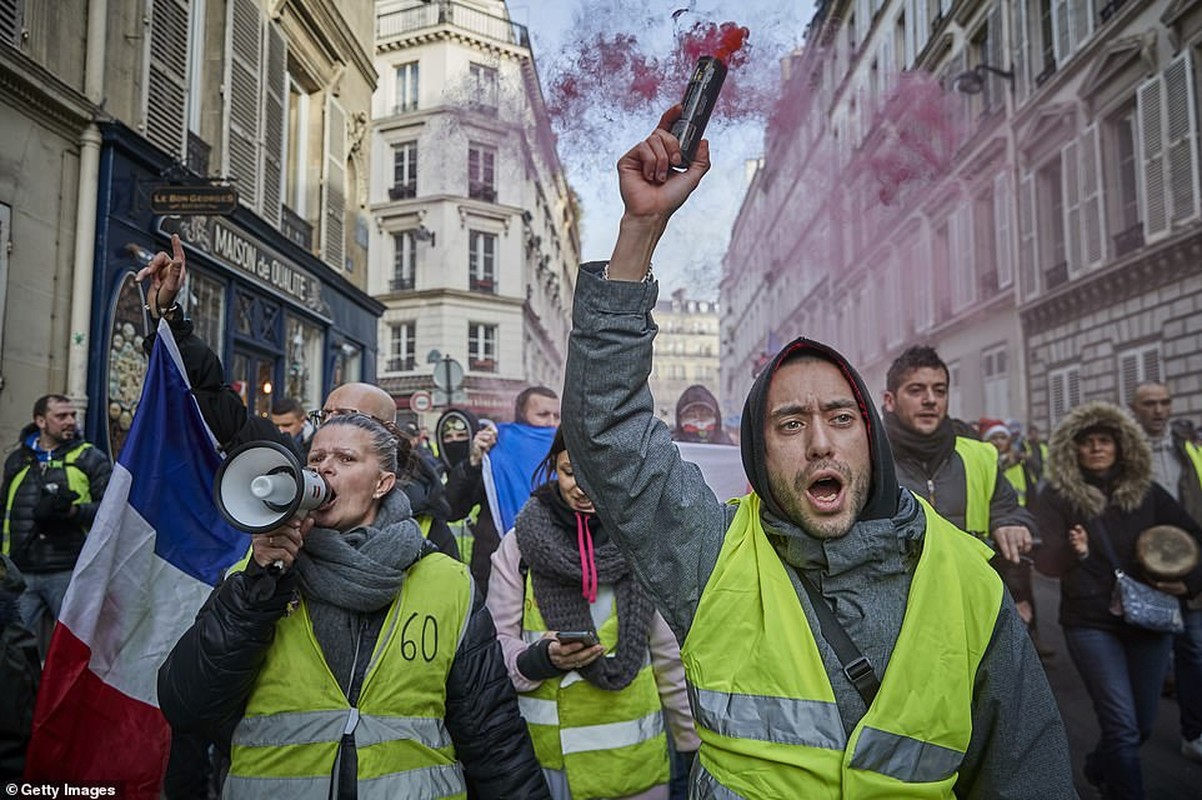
[[882, 494]]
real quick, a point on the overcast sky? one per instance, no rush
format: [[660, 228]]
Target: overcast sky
[[566, 33]]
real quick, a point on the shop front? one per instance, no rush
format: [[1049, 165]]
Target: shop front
[[284, 323]]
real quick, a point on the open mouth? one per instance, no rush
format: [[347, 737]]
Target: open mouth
[[826, 492], [329, 503]]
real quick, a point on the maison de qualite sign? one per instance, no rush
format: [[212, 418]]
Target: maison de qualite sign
[[193, 200], [227, 244]]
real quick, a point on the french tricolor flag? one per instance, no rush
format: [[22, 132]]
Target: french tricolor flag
[[153, 555]]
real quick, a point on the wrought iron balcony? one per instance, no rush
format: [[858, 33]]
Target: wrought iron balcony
[[400, 22]]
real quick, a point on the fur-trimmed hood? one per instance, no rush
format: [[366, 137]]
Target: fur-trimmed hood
[[1134, 466]]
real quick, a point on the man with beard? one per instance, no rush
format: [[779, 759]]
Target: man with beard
[[840, 639], [53, 484]]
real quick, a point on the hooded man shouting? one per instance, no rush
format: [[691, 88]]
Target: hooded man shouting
[[840, 639]]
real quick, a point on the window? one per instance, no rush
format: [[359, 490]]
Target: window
[[482, 347], [1003, 260], [348, 364], [954, 400], [961, 264], [481, 172], [994, 378], [1122, 192], [483, 86], [482, 261], [333, 183], [404, 171], [1047, 42], [1064, 392], [296, 183], [304, 362], [1137, 365], [1052, 259], [206, 298], [406, 88], [404, 259], [402, 353]]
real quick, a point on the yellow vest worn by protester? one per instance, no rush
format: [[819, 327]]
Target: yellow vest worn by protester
[[287, 742], [77, 481], [1195, 456], [765, 708], [980, 478], [1017, 476], [609, 744]]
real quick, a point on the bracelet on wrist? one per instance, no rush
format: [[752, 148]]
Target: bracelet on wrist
[[648, 278]]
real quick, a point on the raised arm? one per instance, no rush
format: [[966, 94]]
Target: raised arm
[[657, 507]]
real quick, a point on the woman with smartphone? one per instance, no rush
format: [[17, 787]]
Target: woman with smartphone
[[586, 648]]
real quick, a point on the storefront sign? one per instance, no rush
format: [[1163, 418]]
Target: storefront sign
[[193, 200], [220, 240]]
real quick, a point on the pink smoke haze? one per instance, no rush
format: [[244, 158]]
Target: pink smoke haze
[[724, 42]]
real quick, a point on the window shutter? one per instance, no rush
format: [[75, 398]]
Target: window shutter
[[1071, 188], [1002, 232], [922, 26], [12, 20], [1151, 138], [1091, 199], [333, 187], [1151, 358], [1056, 396], [1182, 129], [1128, 375], [961, 256], [1027, 238], [1061, 39], [1073, 387], [274, 99], [243, 68], [166, 96], [911, 23], [996, 88]]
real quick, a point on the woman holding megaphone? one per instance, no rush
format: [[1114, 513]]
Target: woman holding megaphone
[[348, 653]]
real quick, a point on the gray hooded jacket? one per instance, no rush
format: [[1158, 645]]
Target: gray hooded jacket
[[672, 527]]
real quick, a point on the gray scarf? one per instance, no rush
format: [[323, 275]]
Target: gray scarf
[[554, 559], [344, 576]]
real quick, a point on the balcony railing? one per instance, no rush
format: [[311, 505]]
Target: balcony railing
[[1056, 275], [482, 191], [403, 284], [401, 364], [296, 229], [198, 154], [487, 285], [1130, 239], [399, 22], [402, 191], [482, 364]]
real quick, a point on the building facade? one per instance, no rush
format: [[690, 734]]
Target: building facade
[[214, 92], [686, 351], [1013, 182], [475, 238]]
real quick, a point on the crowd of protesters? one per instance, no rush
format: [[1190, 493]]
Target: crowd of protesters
[[860, 621]]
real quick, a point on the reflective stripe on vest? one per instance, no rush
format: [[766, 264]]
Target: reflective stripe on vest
[[1016, 475], [980, 478], [402, 746], [609, 744], [77, 481], [765, 709]]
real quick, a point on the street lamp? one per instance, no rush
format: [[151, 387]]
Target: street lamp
[[973, 81]]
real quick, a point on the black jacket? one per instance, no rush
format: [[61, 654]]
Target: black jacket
[[427, 497], [208, 677], [1120, 507], [50, 547], [465, 491], [205, 682]]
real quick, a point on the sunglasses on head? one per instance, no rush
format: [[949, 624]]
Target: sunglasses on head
[[322, 415]]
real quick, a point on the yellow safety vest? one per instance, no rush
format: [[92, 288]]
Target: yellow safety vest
[[980, 478], [1017, 476], [77, 481], [610, 744], [287, 742], [1195, 456], [765, 708]]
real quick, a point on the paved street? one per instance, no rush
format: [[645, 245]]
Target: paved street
[[1167, 775]]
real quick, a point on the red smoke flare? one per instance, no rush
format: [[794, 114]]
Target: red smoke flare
[[724, 42]]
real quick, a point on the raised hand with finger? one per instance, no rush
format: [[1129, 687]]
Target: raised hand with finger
[[166, 274]]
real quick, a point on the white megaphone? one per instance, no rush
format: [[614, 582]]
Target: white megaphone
[[260, 485]]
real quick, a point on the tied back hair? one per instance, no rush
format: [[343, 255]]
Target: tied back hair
[[383, 443], [545, 471]]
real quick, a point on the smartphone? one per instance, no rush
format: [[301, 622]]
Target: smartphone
[[586, 638]]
